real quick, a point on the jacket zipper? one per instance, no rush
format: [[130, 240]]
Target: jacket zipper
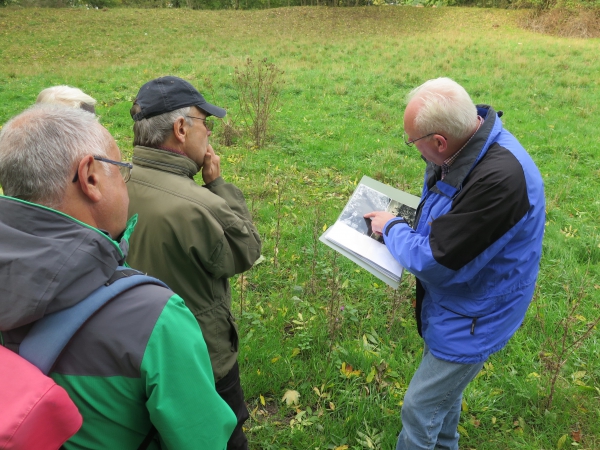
[[420, 211], [473, 319]]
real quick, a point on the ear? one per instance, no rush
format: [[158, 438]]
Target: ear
[[89, 179], [441, 143], [180, 130]]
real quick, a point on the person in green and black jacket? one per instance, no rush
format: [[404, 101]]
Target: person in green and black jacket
[[141, 361]]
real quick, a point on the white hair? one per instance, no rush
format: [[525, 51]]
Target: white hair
[[154, 131], [445, 108], [68, 96], [41, 148]]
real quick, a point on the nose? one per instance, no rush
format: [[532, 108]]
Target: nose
[[209, 132]]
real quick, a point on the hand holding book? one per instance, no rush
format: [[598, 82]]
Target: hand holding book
[[379, 219]]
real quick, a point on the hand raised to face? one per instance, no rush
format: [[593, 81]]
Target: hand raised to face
[[211, 169]]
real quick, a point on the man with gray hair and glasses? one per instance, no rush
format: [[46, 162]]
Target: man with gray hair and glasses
[[475, 251], [190, 236], [63, 233]]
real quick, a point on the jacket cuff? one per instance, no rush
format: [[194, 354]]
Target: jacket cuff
[[391, 223], [214, 183]]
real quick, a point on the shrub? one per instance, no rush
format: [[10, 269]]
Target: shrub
[[258, 94]]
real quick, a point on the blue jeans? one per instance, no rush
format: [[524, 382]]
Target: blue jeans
[[431, 408]]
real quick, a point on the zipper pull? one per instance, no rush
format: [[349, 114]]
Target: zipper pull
[[473, 325]]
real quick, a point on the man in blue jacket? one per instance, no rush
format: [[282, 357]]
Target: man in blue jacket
[[475, 251]]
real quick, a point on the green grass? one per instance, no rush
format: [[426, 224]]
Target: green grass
[[347, 72]]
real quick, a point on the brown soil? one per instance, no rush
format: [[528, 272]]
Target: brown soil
[[580, 23]]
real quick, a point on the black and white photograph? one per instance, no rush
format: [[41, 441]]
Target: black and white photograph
[[365, 200]]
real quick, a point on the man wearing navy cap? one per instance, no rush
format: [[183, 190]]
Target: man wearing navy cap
[[192, 237]]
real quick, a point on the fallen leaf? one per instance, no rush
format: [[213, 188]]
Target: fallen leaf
[[291, 397], [348, 371], [262, 400], [462, 430], [371, 375], [576, 436], [464, 405]]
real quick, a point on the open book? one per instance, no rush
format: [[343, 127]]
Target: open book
[[351, 234]]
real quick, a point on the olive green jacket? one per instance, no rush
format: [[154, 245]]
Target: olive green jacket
[[193, 238]]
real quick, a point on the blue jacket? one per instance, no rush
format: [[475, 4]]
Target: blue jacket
[[476, 246]]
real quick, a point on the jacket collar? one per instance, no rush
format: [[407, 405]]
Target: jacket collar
[[166, 161], [50, 261], [468, 158]]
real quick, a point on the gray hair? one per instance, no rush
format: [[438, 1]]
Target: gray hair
[[67, 95], [446, 108], [154, 131], [41, 148]]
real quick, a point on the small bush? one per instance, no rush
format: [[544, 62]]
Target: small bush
[[258, 94]]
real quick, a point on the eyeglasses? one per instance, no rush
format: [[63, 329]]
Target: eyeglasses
[[124, 168], [410, 143], [208, 123]]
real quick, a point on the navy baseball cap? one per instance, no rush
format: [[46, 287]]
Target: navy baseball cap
[[166, 94]]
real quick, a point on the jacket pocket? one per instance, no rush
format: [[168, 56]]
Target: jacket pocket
[[471, 318], [233, 336]]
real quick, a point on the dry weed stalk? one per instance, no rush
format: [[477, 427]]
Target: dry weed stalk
[[279, 186], [394, 307], [570, 338], [242, 282], [258, 90], [312, 287], [230, 133], [334, 300]]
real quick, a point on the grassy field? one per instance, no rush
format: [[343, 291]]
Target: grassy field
[[311, 322]]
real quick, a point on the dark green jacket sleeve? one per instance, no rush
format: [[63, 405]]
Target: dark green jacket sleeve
[[241, 242], [182, 401]]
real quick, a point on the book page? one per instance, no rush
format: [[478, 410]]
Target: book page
[[370, 250]]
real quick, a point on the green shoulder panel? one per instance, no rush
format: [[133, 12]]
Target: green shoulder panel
[[176, 371], [113, 410]]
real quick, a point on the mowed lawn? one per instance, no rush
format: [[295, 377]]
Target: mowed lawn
[[315, 324]]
